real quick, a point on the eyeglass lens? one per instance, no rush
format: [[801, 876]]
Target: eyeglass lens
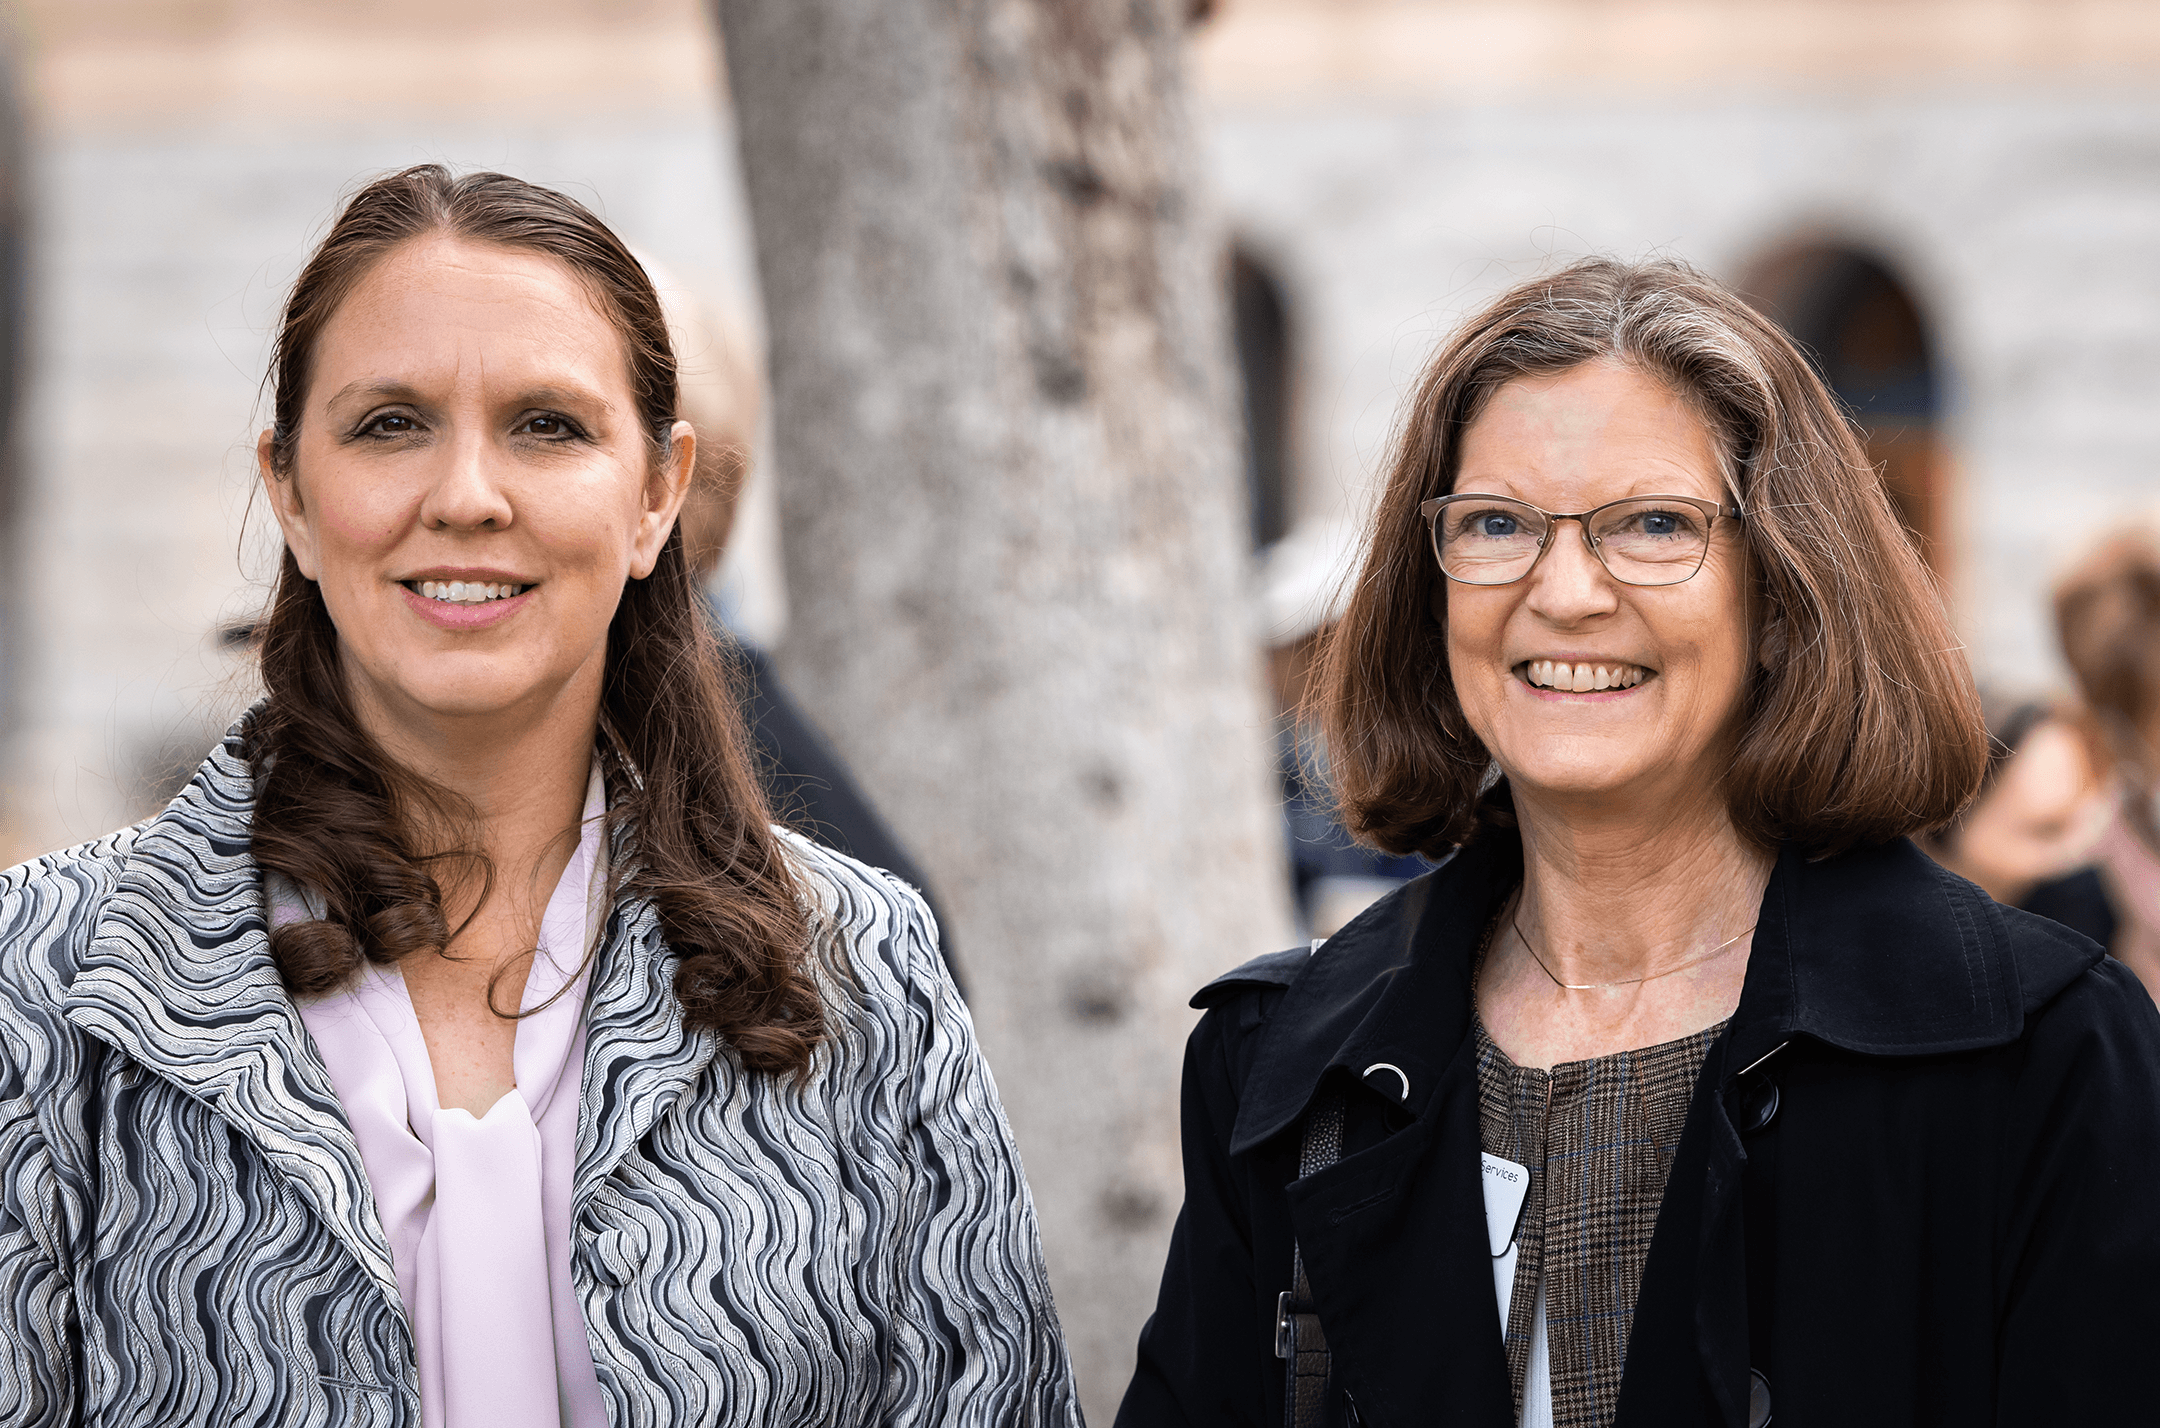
[[1494, 541]]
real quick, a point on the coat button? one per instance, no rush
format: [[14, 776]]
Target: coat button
[[1758, 1398], [1758, 1104]]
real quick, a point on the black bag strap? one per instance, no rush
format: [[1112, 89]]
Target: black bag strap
[[1299, 1340]]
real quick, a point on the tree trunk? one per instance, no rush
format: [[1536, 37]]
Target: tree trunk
[[1015, 540]]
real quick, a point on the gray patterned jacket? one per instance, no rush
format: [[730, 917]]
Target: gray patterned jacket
[[187, 1236]]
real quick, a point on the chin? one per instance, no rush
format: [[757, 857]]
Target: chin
[[476, 704], [464, 688], [1573, 782]]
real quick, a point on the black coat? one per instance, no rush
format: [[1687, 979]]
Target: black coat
[[1932, 1198]]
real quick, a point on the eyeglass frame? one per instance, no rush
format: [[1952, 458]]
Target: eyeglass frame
[[1431, 507]]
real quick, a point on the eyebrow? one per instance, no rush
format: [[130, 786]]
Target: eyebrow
[[564, 396], [384, 390], [394, 391]]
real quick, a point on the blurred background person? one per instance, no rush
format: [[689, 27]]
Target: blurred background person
[[1305, 585], [806, 781], [2027, 837], [2107, 612]]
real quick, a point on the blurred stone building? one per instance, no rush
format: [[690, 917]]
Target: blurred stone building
[[1956, 206], [1956, 203]]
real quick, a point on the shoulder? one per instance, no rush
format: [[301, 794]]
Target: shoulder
[[1272, 1026], [1432, 912], [2081, 1110], [872, 935], [49, 909], [2069, 986], [2077, 998], [2049, 957], [866, 908], [1270, 971], [1237, 1006], [1365, 951], [1888, 953], [1242, 999]]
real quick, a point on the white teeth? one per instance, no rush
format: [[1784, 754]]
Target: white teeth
[[466, 592], [1582, 678]]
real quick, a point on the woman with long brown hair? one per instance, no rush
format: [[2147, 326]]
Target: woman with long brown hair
[[1687, 1091], [464, 1046]]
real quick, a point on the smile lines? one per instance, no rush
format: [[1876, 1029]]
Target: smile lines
[[1581, 678]]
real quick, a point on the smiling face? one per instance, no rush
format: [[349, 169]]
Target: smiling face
[[1581, 687], [471, 485]]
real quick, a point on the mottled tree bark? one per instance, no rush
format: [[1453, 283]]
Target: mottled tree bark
[[1014, 531]]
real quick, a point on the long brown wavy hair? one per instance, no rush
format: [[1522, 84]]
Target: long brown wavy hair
[[342, 820], [1862, 722]]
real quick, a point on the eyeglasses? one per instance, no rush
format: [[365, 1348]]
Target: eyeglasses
[[1644, 540]]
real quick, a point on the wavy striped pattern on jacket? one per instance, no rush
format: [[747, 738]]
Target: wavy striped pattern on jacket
[[187, 1236]]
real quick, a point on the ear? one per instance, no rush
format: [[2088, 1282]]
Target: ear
[[664, 495], [292, 514]]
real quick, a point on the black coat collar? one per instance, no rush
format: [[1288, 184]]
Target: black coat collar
[[1878, 951]]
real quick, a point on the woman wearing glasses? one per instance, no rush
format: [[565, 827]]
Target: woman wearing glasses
[[1688, 1090]]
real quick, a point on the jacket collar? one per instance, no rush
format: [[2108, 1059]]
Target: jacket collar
[[1878, 951], [178, 976], [640, 1054], [1391, 987]]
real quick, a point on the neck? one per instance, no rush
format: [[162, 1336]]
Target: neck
[[523, 771], [1614, 895]]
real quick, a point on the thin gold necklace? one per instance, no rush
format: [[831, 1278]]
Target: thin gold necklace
[[1625, 981]]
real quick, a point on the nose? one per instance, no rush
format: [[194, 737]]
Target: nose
[[1570, 584], [467, 494]]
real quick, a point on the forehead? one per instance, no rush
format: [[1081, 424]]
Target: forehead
[[1599, 432], [439, 305]]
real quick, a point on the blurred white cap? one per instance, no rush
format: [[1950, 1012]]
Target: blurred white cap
[[1305, 579]]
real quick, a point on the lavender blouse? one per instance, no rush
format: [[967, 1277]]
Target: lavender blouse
[[477, 1210]]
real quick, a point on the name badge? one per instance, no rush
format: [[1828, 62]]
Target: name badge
[[1506, 1186], [1506, 1183]]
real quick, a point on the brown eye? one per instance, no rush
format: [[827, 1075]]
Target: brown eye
[[549, 425], [391, 424]]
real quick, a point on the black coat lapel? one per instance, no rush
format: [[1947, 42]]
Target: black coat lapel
[[1401, 1270], [1394, 1235]]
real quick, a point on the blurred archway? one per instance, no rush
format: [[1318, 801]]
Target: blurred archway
[[1260, 321], [1859, 322]]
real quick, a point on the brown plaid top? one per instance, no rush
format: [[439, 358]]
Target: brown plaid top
[[1598, 1138]]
